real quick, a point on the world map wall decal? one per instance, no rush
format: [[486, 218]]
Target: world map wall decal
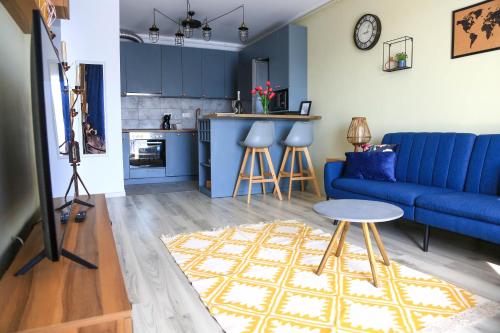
[[476, 29]]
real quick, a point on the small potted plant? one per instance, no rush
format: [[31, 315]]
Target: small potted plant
[[264, 96], [401, 59]]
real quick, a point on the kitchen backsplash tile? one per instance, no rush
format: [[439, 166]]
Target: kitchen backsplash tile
[[146, 112]]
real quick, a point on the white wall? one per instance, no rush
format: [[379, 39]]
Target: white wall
[[92, 36], [438, 94]]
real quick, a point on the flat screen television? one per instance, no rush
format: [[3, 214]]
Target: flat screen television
[[46, 97]]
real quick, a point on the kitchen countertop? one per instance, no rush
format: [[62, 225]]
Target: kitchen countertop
[[259, 116], [187, 130]]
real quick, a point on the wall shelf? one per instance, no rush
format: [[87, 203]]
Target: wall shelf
[[391, 48]]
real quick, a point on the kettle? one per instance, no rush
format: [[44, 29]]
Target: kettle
[[166, 121]]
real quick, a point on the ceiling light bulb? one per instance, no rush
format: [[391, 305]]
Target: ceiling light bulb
[[154, 33], [243, 32]]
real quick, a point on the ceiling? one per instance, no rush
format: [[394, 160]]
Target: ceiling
[[261, 16]]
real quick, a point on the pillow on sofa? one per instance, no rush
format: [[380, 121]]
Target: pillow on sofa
[[386, 148], [371, 165]]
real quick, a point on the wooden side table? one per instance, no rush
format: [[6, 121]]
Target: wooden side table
[[367, 213]]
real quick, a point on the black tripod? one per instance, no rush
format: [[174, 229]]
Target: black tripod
[[39, 257], [75, 178]]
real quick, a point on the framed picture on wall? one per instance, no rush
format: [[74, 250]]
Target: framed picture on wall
[[305, 108], [476, 29]]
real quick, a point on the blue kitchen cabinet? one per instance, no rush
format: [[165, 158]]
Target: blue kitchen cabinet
[[213, 73], [123, 70], [171, 71], [143, 68], [182, 154], [279, 58], [192, 72], [230, 74], [126, 153]]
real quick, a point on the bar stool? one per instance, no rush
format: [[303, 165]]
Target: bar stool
[[298, 140], [259, 139]]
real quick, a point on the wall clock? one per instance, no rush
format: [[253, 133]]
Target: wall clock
[[367, 31]]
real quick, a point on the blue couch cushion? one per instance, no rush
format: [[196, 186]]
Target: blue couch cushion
[[404, 193], [470, 205], [432, 159], [370, 165], [484, 168]]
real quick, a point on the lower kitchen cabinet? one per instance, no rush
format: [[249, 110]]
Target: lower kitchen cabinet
[[126, 154], [182, 154]]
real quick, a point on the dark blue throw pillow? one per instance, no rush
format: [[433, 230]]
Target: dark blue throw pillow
[[371, 165]]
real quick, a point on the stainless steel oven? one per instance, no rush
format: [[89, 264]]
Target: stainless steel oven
[[147, 154]]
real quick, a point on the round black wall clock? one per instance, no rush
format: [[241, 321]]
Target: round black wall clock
[[367, 31]]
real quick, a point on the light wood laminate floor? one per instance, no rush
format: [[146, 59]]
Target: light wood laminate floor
[[164, 301]]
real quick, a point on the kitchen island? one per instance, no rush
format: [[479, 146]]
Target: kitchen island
[[220, 153]]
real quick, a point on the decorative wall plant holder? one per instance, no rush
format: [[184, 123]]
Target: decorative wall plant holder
[[394, 51]]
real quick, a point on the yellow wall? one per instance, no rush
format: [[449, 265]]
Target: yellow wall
[[438, 94]]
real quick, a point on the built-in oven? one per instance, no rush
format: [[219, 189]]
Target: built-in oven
[[147, 154], [280, 101]]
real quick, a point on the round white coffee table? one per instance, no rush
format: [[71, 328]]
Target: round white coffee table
[[367, 213]]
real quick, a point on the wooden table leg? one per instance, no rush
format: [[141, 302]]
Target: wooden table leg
[[380, 245], [368, 242], [342, 239], [330, 248]]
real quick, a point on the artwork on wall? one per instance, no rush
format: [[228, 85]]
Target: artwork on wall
[[476, 29]]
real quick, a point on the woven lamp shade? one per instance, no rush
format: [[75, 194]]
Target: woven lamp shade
[[359, 132]]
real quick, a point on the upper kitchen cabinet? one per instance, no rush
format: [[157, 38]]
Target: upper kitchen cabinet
[[279, 58], [143, 67], [286, 51], [230, 74], [213, 73], [171, 71], [192, 72], [123, 69]]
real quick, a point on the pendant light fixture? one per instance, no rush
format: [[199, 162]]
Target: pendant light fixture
[[154, 31], [179, 36], [206, 31], [243, 29], [187, 26]]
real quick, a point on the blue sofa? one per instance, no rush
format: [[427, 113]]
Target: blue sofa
[[445, 180]]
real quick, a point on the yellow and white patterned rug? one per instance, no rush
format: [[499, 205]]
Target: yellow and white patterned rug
[[260, 278]]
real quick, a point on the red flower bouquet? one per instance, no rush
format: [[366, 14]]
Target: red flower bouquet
[[265, 96]]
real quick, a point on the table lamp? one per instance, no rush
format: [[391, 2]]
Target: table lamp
[[358, 133]]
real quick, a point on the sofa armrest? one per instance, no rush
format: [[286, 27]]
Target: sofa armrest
[[333, 170]]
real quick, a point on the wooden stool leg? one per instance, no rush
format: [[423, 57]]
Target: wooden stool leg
[[342, 239], [311, 171], [242, 170], [369, 249], [380, 245], [301, 171], [262, 172], [283, 164], [292, 167], [329, 248], [273, 174], [249, 196]]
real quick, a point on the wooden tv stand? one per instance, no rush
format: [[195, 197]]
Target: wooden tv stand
[[64, 297]]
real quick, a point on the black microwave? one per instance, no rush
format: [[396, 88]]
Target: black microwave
[[280, 101]]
